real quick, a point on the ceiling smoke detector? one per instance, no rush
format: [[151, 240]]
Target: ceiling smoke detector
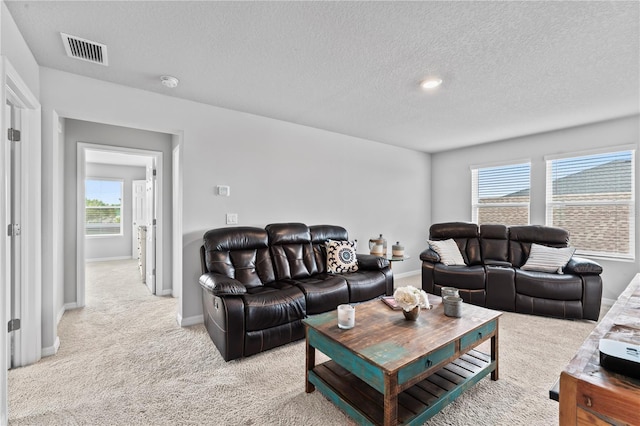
[[85, 50], [169, 81]]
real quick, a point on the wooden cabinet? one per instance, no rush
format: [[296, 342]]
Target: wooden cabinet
[[591, 395]]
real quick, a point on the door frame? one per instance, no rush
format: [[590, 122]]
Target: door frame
[[15, 90], [156, 157]]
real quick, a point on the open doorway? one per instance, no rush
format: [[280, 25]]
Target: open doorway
[[116, 185], [76, 138]]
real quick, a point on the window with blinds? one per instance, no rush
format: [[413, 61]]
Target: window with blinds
[[500, 194], [593, 196], [103, 207]]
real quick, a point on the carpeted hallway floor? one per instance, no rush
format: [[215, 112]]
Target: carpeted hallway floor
[[123, 360]]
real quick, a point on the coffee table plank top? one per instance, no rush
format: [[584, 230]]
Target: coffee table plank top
[[392, 348]]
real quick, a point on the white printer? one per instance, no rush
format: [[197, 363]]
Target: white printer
[[620, 357]]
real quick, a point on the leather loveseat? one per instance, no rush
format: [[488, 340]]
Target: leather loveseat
[[259, 284], [492, 274]]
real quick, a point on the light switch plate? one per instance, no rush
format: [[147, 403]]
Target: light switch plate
[[232, 218], [224, 190]]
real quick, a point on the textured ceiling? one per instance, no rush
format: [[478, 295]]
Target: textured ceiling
[[509, 68]]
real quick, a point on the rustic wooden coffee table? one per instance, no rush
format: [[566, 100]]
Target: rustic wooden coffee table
[[591, 394], [387, 370]]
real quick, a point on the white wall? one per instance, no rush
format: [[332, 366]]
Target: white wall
[[114, 246], [277, 171], [451, 200], [103, 134], [13, 46]]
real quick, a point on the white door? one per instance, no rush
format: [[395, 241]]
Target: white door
[[8, 166], [13, 231], [150, 215], [139, 191]]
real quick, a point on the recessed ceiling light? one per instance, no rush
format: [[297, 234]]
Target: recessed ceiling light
[[431, 83], [169, 81]]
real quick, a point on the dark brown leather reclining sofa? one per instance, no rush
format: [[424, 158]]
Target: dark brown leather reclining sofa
[[259, 284], [492, 277]]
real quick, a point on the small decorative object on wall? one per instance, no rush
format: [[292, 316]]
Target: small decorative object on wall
[[411, 300], [378, 246]]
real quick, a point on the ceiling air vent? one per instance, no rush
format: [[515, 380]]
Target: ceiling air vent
[[85, 50]]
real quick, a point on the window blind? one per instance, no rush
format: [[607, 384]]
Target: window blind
[[592, 196], [501, 194]]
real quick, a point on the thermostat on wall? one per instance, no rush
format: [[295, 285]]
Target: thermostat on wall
[[224, 190]]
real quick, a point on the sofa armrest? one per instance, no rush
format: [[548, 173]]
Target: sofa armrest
[[369, 262], [430, 255], [581, 266], [219, 284]]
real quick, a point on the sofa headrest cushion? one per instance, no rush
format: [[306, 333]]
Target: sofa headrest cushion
[[235, 238], [443, 231], [288, 233], [546, 235], [321, 233], [494, 232]]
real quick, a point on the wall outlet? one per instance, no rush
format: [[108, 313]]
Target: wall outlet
[[232, 218], [223, 190]]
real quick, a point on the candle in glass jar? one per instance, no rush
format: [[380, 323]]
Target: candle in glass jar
[[346, 316]]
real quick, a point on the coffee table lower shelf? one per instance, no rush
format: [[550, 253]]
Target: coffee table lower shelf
[[416, 404]]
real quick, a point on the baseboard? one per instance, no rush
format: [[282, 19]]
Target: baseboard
[[60, 314], [51, 350], [407, 274], [106, 259], [607, 302], [168, 292], [66, 307], [186, 322]]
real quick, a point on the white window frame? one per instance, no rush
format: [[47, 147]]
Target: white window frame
[[550, 204], [475, 199], [122, 203]]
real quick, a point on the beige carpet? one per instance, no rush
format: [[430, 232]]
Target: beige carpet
[[123, 360]]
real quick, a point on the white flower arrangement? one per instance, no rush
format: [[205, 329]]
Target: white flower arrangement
[[409, 297]]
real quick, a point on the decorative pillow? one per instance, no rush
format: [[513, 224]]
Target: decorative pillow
[[448, 251], [341, 257], [548, 259]]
